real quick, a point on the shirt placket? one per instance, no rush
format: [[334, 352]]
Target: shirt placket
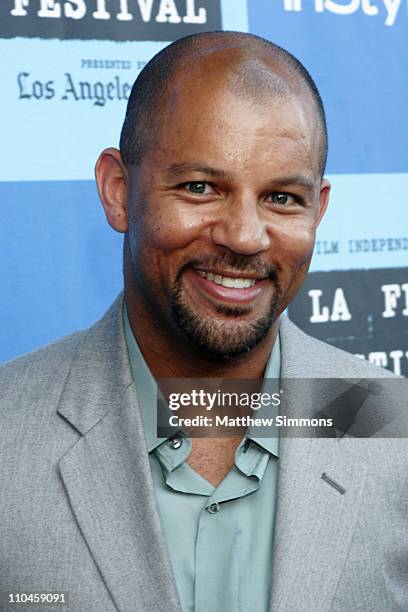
[[219, 533]]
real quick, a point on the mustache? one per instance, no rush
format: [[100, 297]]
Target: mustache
[[251, 264]]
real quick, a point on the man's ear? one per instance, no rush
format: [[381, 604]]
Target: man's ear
[[323, 199], [111, 179]]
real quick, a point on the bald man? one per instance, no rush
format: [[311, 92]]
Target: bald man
[[218, 189]]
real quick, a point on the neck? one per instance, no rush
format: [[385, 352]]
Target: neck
[[169, 355]]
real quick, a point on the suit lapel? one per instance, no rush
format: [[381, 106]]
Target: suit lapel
[[314, 520], [106, 474]]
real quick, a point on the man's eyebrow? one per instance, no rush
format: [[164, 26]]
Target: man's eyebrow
[[175, 170], [298, 180]]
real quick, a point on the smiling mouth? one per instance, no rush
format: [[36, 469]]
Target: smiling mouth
[[228, 281], [232, 287]]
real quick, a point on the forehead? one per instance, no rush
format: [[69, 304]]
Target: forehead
[[206, 118]]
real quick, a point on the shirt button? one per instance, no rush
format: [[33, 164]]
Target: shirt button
[[175, 443], [213, 508]]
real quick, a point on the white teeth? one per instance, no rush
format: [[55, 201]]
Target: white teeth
[[227, 281]]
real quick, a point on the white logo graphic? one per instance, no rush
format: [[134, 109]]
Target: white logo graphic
[[348, 7], [77, 9]]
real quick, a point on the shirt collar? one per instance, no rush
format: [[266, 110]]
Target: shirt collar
[[271, 384], [146, 387], [146, 391]]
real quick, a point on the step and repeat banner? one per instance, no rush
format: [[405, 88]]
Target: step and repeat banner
[[356, 295], [67, 67]]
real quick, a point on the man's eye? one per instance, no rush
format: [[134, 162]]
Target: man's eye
[[197, 187], [282, 199]]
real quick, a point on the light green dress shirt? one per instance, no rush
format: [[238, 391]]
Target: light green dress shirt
[[219, 539]]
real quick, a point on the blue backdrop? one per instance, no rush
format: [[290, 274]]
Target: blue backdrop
[[65, 81]]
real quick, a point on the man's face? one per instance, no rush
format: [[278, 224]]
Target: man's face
[[222, 215]]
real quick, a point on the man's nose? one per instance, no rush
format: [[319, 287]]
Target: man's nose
[[242, 227]]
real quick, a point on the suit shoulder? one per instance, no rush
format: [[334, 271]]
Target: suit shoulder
[[40, 370], [322, 360]]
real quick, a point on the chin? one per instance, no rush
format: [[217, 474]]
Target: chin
[[230, 334]]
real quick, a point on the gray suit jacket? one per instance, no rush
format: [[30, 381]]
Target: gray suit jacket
[[77, 507]]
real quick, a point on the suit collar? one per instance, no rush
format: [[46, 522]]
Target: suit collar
[[99, 372], [106, 474], [314, 521]]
